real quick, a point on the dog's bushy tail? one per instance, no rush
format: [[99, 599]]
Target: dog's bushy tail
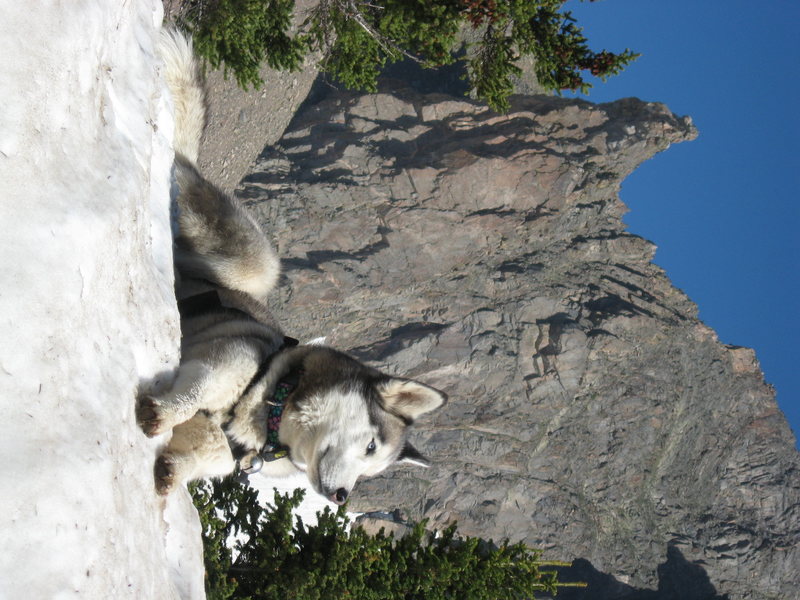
[[182, 74], [218, 240]]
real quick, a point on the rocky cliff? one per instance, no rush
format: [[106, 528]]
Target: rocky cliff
[[592, 414]]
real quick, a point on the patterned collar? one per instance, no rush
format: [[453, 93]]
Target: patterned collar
[[273, 449]]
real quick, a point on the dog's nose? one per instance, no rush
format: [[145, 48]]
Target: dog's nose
[[339, 496]]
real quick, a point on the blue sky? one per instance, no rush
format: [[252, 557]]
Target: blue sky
[[723, 209]]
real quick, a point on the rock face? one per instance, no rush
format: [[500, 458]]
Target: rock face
[[591, 414]]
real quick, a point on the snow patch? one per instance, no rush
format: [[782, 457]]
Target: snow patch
[[87, 311], [312, 501]]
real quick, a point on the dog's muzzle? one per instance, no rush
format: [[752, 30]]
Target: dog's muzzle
[[338, 497]]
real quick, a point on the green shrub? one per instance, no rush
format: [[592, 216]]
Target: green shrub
[[240, 35], [358, 37], [277, 559]]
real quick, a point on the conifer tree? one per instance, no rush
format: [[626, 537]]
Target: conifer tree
[[276, 558], [359, 37]]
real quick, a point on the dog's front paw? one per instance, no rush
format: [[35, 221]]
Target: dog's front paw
[[165, 474], [149, 417]]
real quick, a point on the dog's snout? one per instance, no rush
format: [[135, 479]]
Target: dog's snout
[[339, 496]]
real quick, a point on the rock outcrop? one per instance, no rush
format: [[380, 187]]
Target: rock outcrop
[[592, 414]]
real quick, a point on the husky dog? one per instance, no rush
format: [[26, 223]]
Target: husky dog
[[244, 391]]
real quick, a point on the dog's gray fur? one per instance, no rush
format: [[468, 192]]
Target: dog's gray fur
[[343, 420]]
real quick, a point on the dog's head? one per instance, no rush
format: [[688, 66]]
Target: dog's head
[[345, 420]]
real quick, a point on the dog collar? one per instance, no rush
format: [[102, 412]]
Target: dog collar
[[273, 449]]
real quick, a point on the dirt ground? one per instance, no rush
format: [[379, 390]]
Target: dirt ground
[[242, 123]]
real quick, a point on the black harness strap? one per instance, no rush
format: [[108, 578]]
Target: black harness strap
[[203, 303]]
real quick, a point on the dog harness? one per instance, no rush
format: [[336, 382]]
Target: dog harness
[[272, 449]]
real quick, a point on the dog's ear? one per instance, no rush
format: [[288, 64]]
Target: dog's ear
[[410, 399], [412, 456]]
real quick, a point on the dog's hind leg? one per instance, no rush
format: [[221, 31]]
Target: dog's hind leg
[[218, 240], [213, 383], [198, 448], [158, 414]]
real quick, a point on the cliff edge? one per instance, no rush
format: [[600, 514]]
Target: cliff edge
[[592, 414]]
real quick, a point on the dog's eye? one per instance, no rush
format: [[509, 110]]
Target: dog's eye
[[371, 447]]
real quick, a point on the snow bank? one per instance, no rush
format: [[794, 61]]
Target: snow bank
[[87, 312], [312, 502]]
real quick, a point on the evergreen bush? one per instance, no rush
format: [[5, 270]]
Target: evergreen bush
[[276, 558], [358, 37], [240, 35]]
